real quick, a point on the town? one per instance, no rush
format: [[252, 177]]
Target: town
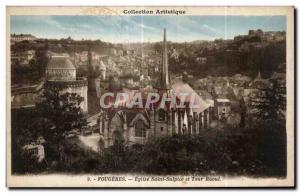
[[235, 82]]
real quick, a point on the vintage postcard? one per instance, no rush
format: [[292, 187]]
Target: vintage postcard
[[142, 97]]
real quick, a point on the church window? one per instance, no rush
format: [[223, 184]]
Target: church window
[[161, 129], [140, 130]]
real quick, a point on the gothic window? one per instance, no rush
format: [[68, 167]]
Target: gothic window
[[140, 130], [161, 115]]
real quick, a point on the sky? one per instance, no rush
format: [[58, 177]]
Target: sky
[[123, 29]]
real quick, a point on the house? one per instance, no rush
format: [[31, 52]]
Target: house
[[222, 108], [22, 58], [22, 37], [35, 151]]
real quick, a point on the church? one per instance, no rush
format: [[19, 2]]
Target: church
[[139, 125]]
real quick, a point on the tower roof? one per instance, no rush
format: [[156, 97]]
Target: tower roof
[[60, 62]]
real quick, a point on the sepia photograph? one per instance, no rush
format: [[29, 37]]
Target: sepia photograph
[[150, 96]]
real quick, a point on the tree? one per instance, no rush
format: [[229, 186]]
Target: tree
[[158, 47], [37, 66], [269, 103], [63, 113]]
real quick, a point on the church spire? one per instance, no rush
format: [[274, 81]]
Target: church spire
[[165, 81]]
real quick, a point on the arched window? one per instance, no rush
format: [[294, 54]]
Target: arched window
[[140, 130], [161, 115]]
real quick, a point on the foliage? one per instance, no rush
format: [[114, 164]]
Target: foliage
[[53, 116], [75, 158], [63, 113], [228, 60], [257, 150], [61, 110], [26, 127], [270, 103], [35, 70]]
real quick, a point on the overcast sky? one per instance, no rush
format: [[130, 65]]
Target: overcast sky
[[122, 29]]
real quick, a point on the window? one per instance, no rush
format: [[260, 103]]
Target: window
[[140, 130], [161, 115], [161, 129]]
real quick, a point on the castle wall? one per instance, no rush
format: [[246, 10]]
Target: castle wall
[[25, 96], [21, 100]]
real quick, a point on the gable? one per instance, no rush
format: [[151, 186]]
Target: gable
[[139, 116]]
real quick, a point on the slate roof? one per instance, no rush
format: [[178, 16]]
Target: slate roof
[[181, 87], [60, 62]]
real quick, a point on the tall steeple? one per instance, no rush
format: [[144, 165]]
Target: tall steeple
[[165, 79]]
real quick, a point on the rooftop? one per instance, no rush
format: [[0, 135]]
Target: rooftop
[[60, 62]]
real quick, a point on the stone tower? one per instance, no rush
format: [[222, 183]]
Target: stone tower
[[162, 115], [60, 72]]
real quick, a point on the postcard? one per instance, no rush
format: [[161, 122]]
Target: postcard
[[144, 97]]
